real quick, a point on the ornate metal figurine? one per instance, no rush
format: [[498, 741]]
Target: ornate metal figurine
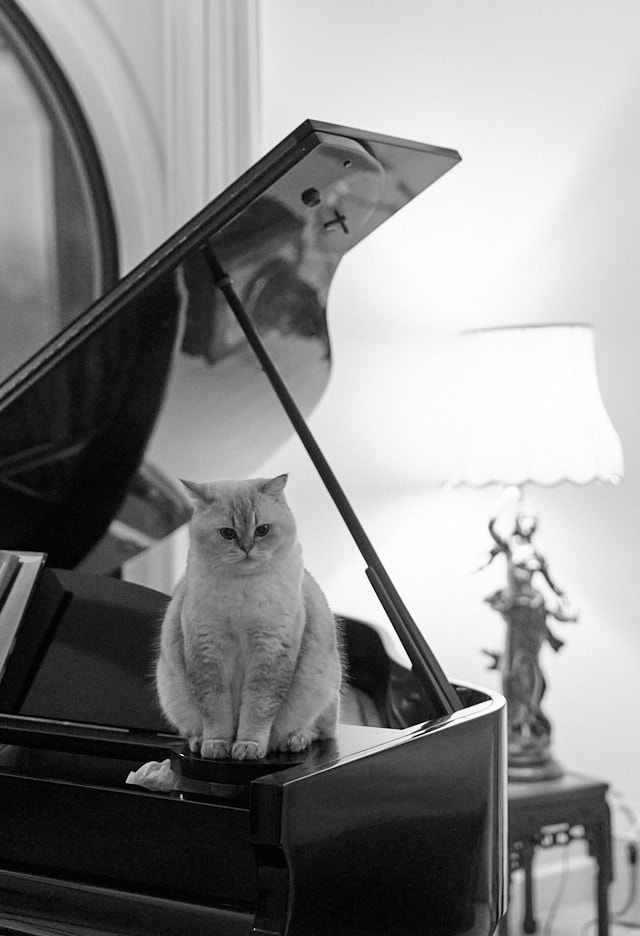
[[526, 610]]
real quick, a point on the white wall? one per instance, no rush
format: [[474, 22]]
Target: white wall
[[538, 223]]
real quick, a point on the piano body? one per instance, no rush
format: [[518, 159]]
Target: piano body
[[393, 828]]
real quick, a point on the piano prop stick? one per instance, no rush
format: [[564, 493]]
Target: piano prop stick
[[425, 665]]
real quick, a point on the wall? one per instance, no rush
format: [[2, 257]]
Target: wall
[[538, 223]]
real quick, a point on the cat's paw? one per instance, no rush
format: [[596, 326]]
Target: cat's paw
[[295, 741], [215, 748], [195, 742], [248, 750]]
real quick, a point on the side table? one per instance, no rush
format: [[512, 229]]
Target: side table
[[557, 812]]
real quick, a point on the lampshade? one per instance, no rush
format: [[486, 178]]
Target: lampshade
[[532, 410]]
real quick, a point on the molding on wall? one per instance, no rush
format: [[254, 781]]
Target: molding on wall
[[211, 98]]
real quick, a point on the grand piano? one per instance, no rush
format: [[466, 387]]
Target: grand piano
[[396, 826]]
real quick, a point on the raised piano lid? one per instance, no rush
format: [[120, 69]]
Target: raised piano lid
[[158, 367]]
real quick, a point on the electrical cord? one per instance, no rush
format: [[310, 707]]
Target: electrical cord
[[560, 890], [632, 861]]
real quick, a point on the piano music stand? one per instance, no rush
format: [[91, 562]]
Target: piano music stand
[[558, 812]]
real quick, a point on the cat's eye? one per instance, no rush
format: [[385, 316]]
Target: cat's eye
[[228, 533], [262, 530]]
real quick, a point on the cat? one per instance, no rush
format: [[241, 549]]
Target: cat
[[250, 659]]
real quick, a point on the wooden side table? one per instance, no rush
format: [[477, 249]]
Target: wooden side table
[[557, 812]]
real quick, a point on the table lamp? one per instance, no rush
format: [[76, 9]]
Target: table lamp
[[533, 414]]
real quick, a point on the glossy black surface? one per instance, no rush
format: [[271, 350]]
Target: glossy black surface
[[158, 368], [382, 831], [401, 838]]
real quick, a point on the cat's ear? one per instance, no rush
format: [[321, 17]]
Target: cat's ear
[[275, 485], [197, 492]]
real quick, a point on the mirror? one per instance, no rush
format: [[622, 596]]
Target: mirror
[[58, 247]]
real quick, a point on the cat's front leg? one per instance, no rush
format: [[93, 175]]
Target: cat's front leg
[[218, 727], [213, 690], [254, 728], [266, 683]]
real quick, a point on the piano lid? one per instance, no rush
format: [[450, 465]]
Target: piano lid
[[158, 367]]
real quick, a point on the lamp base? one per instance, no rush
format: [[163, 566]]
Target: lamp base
[[533, 772]]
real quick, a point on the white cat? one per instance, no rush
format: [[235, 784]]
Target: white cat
[[249, 656]]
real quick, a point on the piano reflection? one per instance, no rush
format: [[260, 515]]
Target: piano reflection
[[394, 826]]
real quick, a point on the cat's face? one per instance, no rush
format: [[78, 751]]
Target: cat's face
[[241, 523]]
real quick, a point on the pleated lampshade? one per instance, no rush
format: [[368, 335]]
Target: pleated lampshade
[[533, 410]]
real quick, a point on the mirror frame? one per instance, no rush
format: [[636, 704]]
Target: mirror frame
[[61, 105]]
